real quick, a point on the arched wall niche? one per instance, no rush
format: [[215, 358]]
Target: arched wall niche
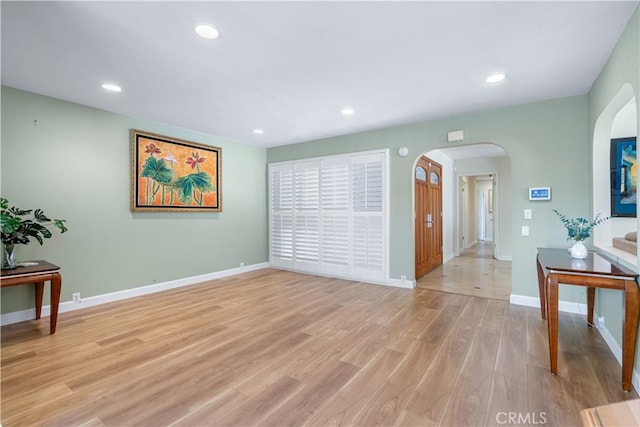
[[618, 119]]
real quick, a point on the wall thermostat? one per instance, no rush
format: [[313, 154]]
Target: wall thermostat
[[540, 193]]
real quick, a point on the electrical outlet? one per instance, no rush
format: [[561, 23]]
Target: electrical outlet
[[76, 297], [403, 278], [600, 322], [242, 265]]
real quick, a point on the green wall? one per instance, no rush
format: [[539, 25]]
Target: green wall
[[622, 68], [75, 164], [547, 145]]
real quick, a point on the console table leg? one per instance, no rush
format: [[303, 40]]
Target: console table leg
[[631, 315], [56, 285], [541, 291], [591, 296], [39, 293], [552, 320]]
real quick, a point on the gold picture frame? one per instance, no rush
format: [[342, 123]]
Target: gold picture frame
[[171, 174]]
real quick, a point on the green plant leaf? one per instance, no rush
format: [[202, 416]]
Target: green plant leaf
[[185, 185], [157, 170], [60, 224], [19, 225], [40, 216]]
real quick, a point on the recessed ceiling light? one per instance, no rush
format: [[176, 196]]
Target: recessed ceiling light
[[347, 111], [258, 131], [111, 87], [495, 78], [207, 31]]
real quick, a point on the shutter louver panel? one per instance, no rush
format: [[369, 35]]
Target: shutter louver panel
[[282, 236], [335, 187], [368, 244], [335, 240], [282, 190], [368, 187], [307, 189], [307, 242]]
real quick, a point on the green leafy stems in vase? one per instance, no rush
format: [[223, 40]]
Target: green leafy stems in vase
[[579, 229], [19, 226]]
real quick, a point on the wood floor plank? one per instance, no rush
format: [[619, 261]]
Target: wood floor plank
[[554, 402], [512, 359], [430, 398], [391, 399], [254, 410], [302, 406], [468, 402], [342, 408], [507, 402]]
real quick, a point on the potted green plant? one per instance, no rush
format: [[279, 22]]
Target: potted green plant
[[19, 226], [579, 229]]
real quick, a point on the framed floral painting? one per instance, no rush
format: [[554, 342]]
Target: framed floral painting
[[170, 174]]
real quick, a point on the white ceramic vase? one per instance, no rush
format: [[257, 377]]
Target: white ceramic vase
[[579, 250]]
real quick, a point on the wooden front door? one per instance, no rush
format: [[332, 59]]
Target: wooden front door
[[428, 190]]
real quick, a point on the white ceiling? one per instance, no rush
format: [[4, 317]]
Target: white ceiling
[[290, 67]]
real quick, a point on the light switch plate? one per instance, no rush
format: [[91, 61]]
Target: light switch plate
[[525, 230]]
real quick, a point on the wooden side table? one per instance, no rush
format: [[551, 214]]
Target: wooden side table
[[593, 272], [39, 273]]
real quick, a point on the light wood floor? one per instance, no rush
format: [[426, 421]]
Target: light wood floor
[[475, 272], [275, 348]]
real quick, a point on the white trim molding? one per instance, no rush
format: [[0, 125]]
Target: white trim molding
[[617, 352], [566, 306], [29, 314], [399, 283]]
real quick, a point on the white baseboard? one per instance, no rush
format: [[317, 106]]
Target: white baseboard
[[505, 258], [408, 284], [20, 316], [566, 306], [577, 308], [617, 352]]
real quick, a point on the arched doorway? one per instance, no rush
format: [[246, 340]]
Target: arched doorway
[[486, 169]]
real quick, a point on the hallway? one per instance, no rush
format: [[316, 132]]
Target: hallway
[[475, 272]]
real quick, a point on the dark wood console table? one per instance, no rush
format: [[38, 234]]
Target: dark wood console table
[[42, 272], [555, 266]]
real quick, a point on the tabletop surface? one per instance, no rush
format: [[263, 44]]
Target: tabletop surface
[[41, 267], [560, 260]]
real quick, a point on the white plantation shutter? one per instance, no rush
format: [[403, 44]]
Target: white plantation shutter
[[368, 242], [334, 187], [282, 236], [281, 221], [307, 238], [307, 186], [368, 249], [329, 215], [335, 242]]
